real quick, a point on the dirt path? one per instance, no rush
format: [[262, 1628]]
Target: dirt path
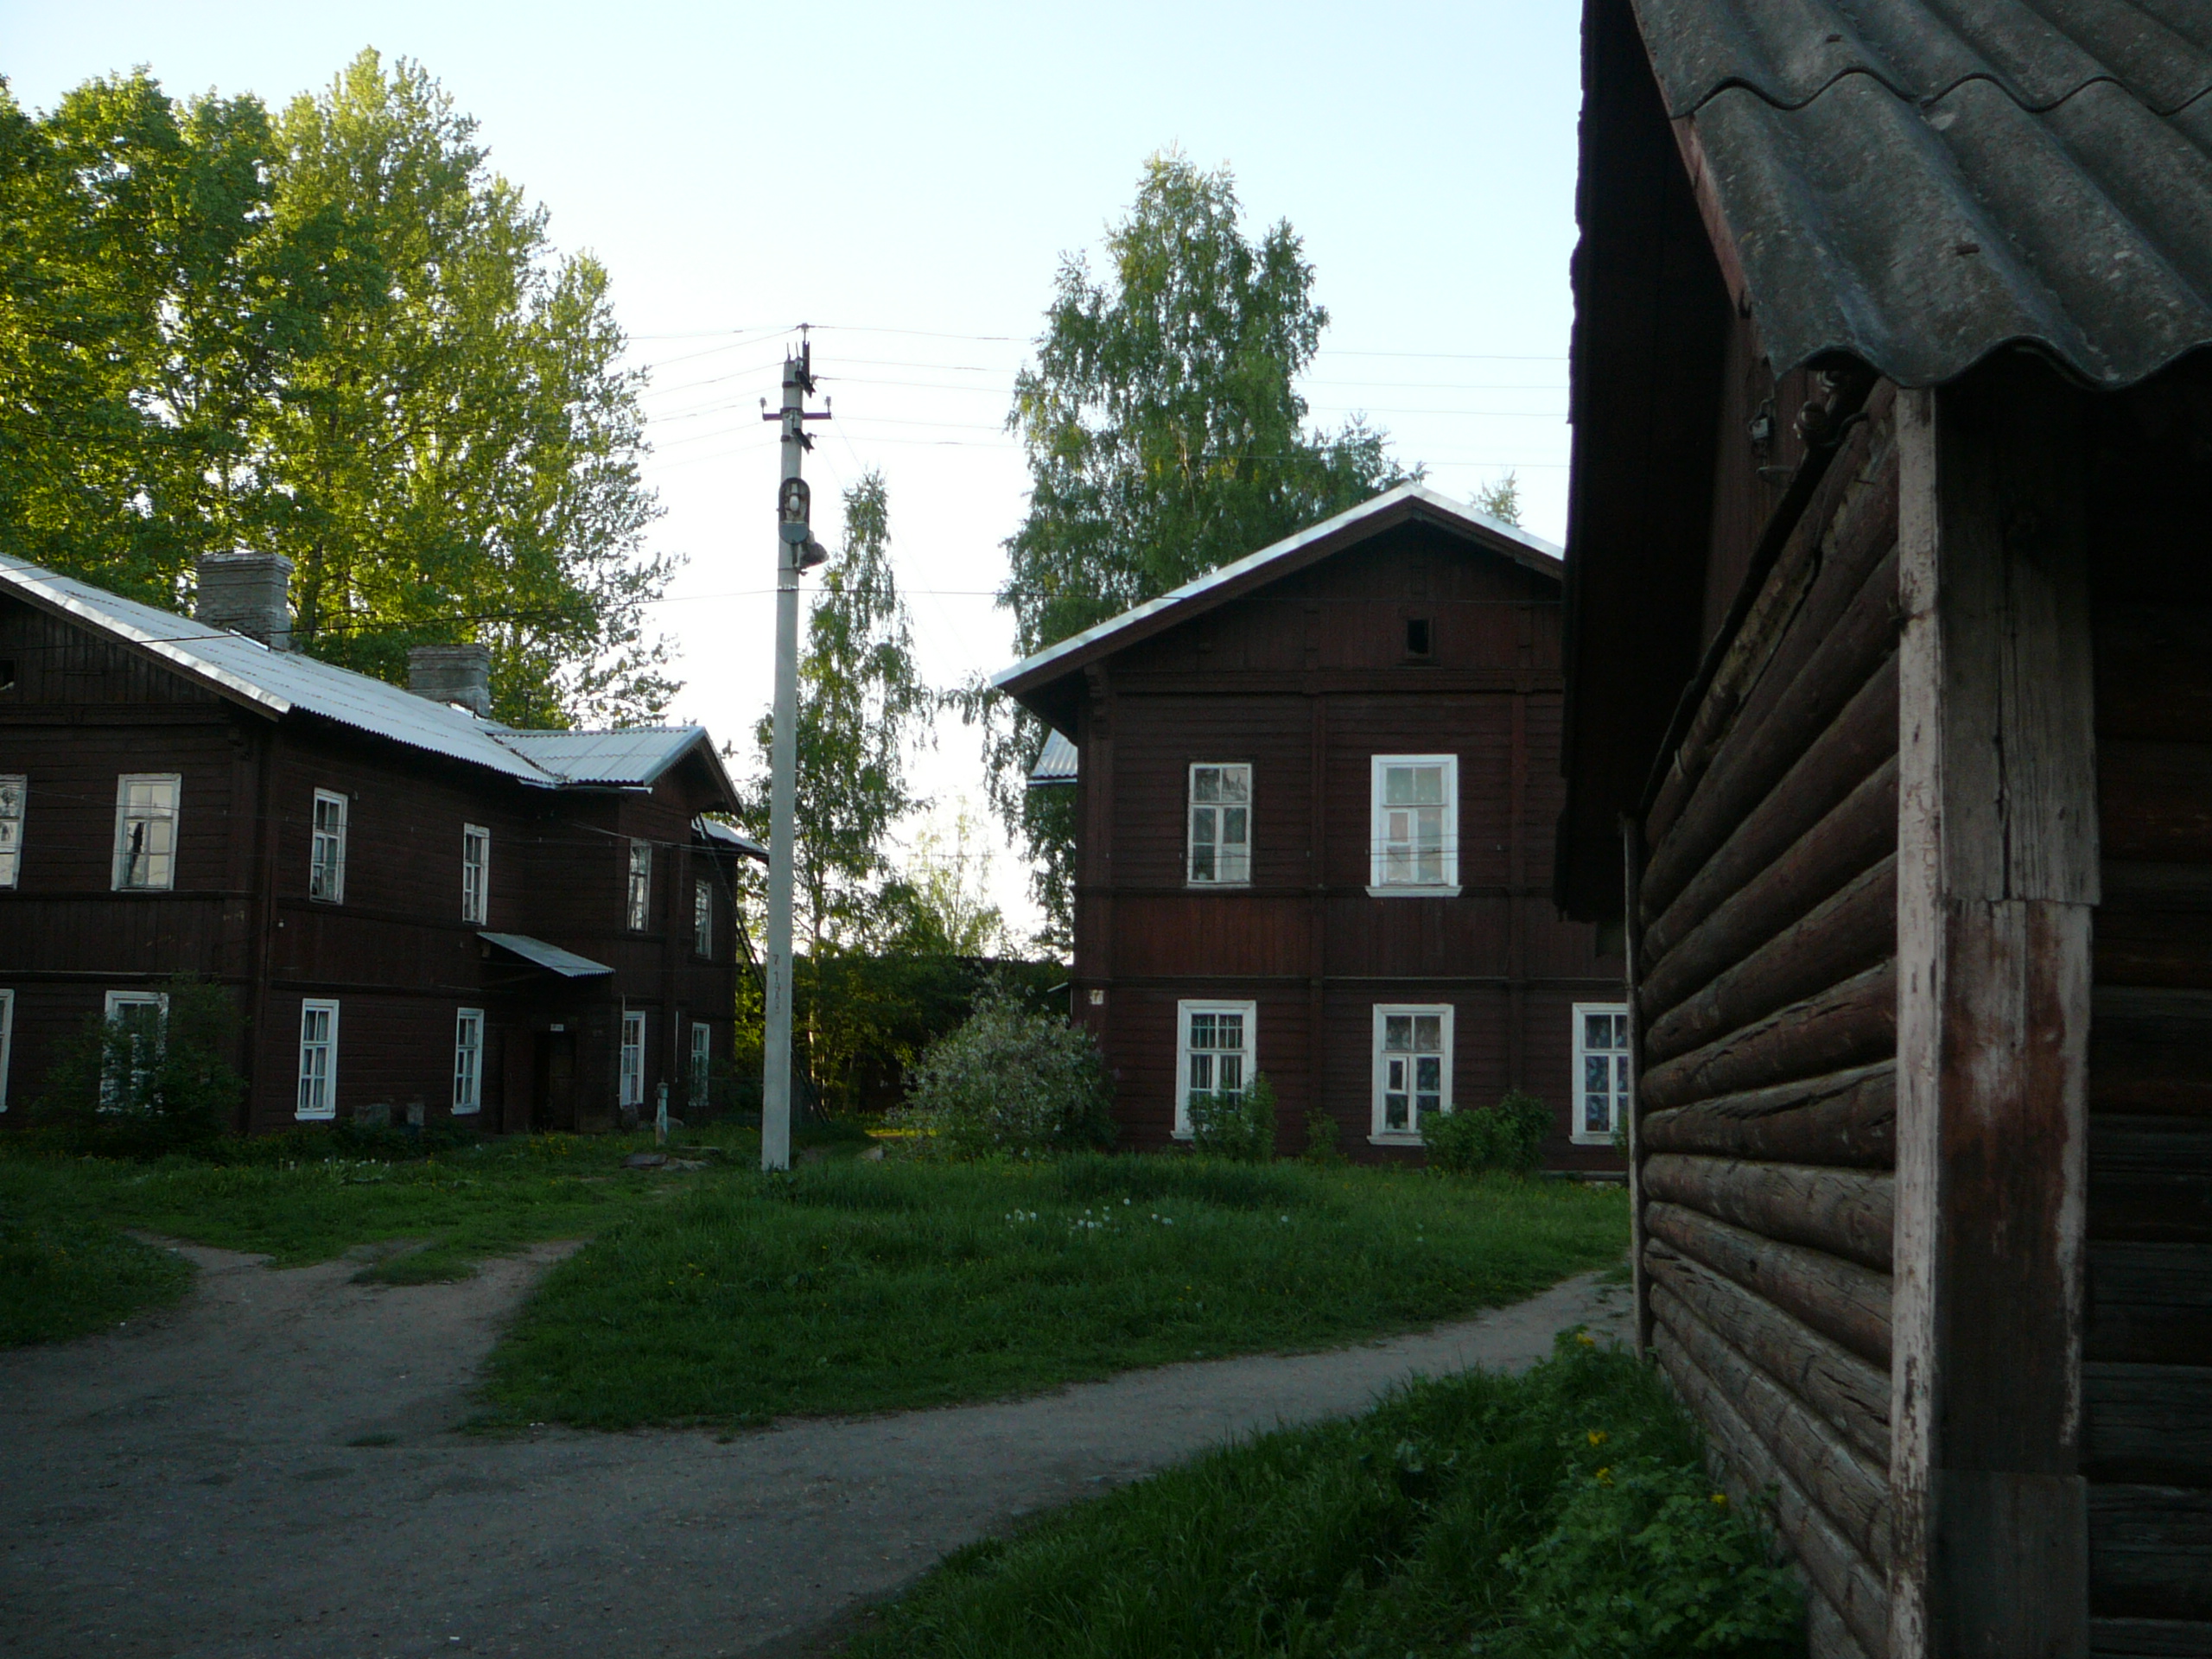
[[269, 1470]]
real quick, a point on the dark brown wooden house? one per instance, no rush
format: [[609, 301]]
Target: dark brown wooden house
[[1315, 791], [1888, 736], [422, 913]]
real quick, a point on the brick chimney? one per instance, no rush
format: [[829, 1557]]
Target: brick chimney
[[459, 674], [249, 594]]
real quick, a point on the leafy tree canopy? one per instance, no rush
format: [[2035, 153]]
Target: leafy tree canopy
[[337, 334], [1165, 437]]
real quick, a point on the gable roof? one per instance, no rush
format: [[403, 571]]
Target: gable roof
[[1918, 184], [280, 683], [1407, 503]]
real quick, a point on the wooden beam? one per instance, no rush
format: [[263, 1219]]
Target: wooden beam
[[1847, 1119], [1846, 1212], [1845, 1302], [1997, 872]]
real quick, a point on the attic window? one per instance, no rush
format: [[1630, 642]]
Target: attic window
[[7, 673], [1417, 636]]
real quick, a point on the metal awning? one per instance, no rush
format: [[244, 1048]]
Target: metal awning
[[1058, 765], [551, 958]]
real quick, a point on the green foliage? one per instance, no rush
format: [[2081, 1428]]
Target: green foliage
[[1239, 1125], [336, 335], [1501, 500], [1009, 1083], [1321, 1141], [148, 1085], [1509, 1137], [1399, 1535], [1165, 437]]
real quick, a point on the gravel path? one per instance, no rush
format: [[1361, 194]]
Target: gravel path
[[269, 1469]]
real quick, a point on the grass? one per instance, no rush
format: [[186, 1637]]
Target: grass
[[858, 1288], [64, 1275], [1565, 1512]]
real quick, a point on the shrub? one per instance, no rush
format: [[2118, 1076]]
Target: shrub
[[1009, 1083], [112, 1093], [1508, 1135], [1321, 1139], [1237, 1125]]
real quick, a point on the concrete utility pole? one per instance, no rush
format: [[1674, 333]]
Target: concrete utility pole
[[796, 550]]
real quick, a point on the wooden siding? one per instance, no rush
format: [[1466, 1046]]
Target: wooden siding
[[1764, 937]]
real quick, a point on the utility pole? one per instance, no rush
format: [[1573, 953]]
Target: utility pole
[[796, 550]]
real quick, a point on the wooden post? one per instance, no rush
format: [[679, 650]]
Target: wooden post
[[1997, 878], [1632, 950]]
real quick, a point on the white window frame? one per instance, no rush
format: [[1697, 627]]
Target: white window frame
[[171, 816], [7, 1040], [1230, 869], [703, 1062], [1250, 1052], [1379, 884], [467, 1061], [326, 848], [630, 1087], [1379, 1130], [111, 1011], [476, 874], [703, 918], [323, 1093], [1620, 1095], [637, 901], [14, 807]]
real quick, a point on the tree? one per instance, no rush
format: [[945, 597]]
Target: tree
[[336, 336], [1165, 437], [1501, 500]]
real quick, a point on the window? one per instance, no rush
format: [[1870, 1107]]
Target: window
[[1417, 636], [1413, 1068], [318, 1059], [137, 1017], [145, 831], [7, 1040], [1416, 848], [467, 1061], [327, 863], [1601, 1070], [641, 884], [633, 1060], [1213, 1052], [703, 1062], [1221, 823], [476, 874], [12, 793], [703, 919]]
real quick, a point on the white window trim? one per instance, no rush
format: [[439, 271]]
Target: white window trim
[[629, 1079], [1377, 886], [329, 1107], [337, 893], [1579, 1136], [471, 1099], [1377, 1135], [637, 908], [12, 858], [123, 782], [703, 919], [1184, 1010], [7, 1040], [476, 907], [1191, 804], [702, 1076]]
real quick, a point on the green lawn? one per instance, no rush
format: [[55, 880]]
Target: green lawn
[[1563, 1513]]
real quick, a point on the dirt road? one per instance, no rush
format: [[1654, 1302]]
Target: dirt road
[[270, 1470]]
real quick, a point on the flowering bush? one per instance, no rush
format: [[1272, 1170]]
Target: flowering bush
[[1011, 1084]]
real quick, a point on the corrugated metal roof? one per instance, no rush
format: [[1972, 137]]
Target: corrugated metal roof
[[551, 958], [1916, 183], [1056, 763], [628, 756], [717, 831]]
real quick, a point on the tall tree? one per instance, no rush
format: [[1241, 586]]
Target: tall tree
[[1501, 499], [1165, 437]]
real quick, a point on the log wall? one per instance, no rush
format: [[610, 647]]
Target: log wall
[[1763, 944]]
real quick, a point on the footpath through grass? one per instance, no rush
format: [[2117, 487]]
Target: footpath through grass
[[859, 1286], [1563, 1513]]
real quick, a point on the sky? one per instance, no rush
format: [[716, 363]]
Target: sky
[[907, 179]]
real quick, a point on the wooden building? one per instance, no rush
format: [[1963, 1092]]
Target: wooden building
[[422, 913], [1888, 736], [1314, 795]]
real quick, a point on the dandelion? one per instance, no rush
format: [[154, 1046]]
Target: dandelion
[[1598, 1437], [1585, 1339], [1721, 1498], [1606, 1476]]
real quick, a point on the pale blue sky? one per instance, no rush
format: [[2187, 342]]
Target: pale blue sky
[[908, 177]]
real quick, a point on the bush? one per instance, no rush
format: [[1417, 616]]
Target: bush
[[1508, 1135], [1321, 1139], [117, 1093], [1009, 1083], [1238, 1126]]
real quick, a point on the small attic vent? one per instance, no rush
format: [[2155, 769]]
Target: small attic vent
[[1417, 636]]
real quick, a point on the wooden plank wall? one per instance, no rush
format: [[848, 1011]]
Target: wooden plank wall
[[1764, 940]]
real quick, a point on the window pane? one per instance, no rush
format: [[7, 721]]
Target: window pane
[[1202, 1031], [1394, 1112], [1203, 866], [1205, 783], [1232, 1028], [1398, 1031], [1620, 1075], [1428, 1074], [1237, 783], [1428, 1032], [1201, 1073], [1232, 1073], [1597, 1074], [1597, 1031], [1233, 820], [1597, 1114]]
